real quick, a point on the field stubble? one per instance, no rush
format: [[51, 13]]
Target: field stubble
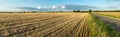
[[44, 25]]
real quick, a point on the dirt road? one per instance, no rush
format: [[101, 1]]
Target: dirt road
[[115, 23]]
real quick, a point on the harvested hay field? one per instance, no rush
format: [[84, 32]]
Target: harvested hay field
[[111, 14], [43, 24]]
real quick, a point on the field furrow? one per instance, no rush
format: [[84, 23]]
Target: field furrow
[[27, 27], [45, 25]]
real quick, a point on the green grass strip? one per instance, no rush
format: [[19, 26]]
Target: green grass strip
[[99, 28]]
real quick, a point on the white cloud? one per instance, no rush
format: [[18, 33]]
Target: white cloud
[[54, 7], [5, 8], [38, 7], [63, 7]]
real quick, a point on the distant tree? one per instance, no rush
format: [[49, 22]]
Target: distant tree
[[74, 10], [24, 12], [90, 10], [78, 10], [9, 12], [61, 11], [34, 11]]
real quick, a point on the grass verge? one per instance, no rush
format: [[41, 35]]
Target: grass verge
[[99, 28]]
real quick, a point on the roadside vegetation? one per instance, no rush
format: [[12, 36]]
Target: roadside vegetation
[[99, 28]]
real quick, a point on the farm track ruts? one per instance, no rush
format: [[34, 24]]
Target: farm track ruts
[[49, 26], [27, 21], [28, 25], [44, 26], [59, 30], [16, 24], [80, 30], [72, 25]]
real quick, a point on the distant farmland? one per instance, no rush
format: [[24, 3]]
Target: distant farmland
[[55, 25], [111, 14]]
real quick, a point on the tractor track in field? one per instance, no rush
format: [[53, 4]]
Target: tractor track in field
[[82, 32], [59, 30], [52, 28], [28, 25], [11, 25], [81, 29]]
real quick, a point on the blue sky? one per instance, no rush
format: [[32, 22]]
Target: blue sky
[[10, 5]]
